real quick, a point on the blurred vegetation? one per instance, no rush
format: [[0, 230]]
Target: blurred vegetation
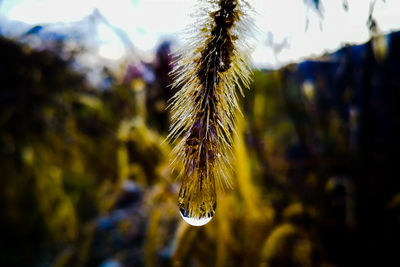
[[85, 176]]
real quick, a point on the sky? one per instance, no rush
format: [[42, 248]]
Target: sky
[[287, 30]]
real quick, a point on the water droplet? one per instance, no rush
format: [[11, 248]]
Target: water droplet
[[197, 200], [196, 221]]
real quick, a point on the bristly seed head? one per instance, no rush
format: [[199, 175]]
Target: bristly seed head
[[207, 71]]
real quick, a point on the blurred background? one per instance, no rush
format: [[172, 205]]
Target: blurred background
[[84, 167]]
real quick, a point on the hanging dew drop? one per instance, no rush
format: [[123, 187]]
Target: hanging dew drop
[[198, 206], [195, 221]]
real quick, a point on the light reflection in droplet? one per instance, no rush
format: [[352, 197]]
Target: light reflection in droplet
[[195, 221]]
